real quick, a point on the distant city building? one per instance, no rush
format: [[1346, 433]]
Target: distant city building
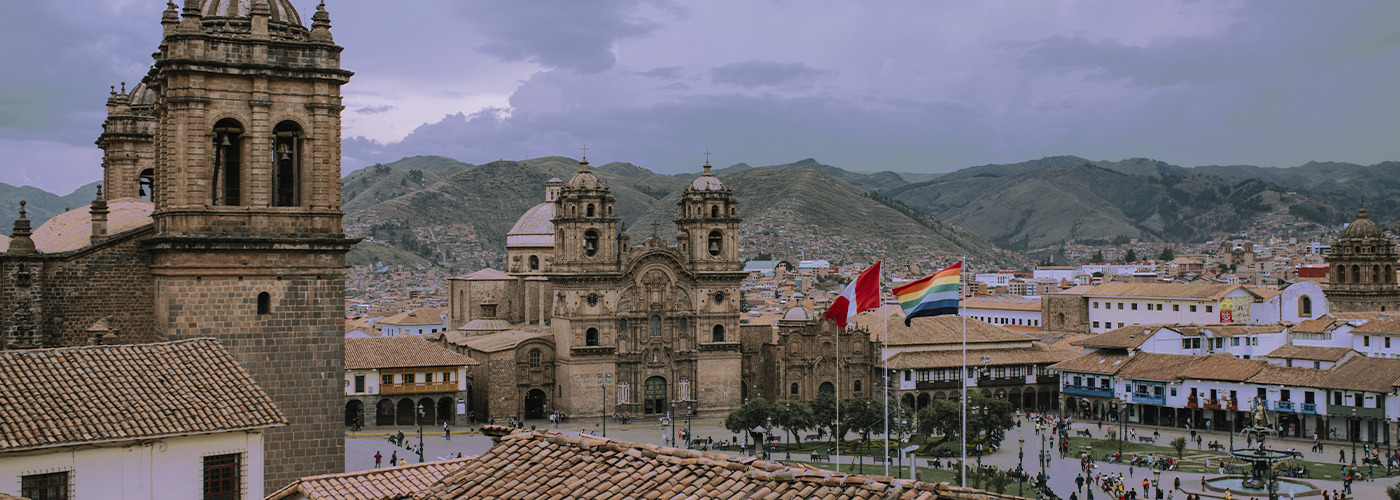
[[405, 380]]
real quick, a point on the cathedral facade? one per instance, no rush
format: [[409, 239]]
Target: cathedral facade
[[590, 324], [221, 218]]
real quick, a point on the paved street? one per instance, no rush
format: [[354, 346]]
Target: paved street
[[361, 447]]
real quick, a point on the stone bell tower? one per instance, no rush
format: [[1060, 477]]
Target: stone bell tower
[[585, 228], [1362, 277], [248, 246], [707, 225]]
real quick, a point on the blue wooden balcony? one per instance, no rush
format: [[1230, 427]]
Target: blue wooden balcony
[[1151, 399], [1284, 406], [1089, 391], [1310, 408]]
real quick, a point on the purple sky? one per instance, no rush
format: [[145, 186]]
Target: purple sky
[[891, 85]]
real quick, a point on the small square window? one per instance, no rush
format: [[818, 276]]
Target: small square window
[[1193, 308], [1096, 324], [1176, 307], [222, 477], [1134, 306], [408, 378], [386, 380], [52, 485], [1210, 308], [1096, 305], [1366, 340], [1120, 306]]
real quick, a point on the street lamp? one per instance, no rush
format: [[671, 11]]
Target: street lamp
[[688, 433], [1353, 425], [787, 447], [420, 432], [977, 412], [768, 439], [1020, 465], [671, 416], [604, 380], [746, 427]]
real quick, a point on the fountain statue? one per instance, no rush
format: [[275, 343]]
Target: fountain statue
[[1262, 479]]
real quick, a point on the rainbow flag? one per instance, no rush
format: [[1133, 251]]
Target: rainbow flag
[[931, 295]]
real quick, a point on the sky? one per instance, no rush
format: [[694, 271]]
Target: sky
[[911, 86]]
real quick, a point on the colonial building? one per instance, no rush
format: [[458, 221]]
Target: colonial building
[[801, 355], [405, 380], [221, 218], [1363, 269], [164, 420], [631, 328], [1098, 309]]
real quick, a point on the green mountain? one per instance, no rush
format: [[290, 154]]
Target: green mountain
[[40, 205]]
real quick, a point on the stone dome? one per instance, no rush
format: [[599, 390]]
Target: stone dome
[[281, 10], [799, 313], [584, 179], [1362, 227], [707, 181], [72, 230], [142, 95], [534, 229]]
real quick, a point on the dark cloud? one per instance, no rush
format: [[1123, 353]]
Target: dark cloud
[[374, 110], [565, 34], [755, 73]]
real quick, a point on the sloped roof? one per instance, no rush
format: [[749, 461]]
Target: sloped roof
[[400, 351], [1223, 367], [934, 330], [375, 484], [72, 230], [1361, 373], [499, 341], [547, 464], [427, 316], [1309, 353], [487, 274], [77, 395], [1320, 324], [1100, 362], [1035, 354], [1385, 325], [1155, 366], [1289, 375], [1165, 290], [1003, 302], [1126, 337]]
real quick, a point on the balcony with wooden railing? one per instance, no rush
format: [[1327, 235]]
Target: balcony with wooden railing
[[417, 388]]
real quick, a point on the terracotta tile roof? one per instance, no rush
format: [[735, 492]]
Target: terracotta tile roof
[[1309, 353], [547, 464], [1233, 330], [1223, 367], [375, 484], [1127, 337], [428, 316], [1361, 373], [934, 330], [1284, 375], [1078, 290], [1154, 366], [487, 274], [75, 395], [1320, 324], [1164, 290], [1003, 302], [400, 351], [1389, 325], [1100, 362], [1035, 354], [4, 496], [499, 341]]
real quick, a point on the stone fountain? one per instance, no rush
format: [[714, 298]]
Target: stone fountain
[[1262, 478]]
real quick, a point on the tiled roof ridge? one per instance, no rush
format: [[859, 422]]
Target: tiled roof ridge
[[114, 346], [301, 485], [754, 468]]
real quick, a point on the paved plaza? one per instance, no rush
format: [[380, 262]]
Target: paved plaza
[[360, 448]]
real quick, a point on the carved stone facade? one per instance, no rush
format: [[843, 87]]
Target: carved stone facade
[[797, 358], [232, 144], [1362, 274], [632, 328]]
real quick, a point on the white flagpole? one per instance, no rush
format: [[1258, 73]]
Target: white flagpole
[[884, 348], [837, 437], [964, 373]]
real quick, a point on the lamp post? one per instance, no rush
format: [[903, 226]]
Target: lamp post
[[787, 447], [671, 416], [1122, 407], [746, 426], [1020, 465], [768, 439], [1353, 425], [977, 412], [604, 379], [420, 432], [688, 435], [1044, 460]]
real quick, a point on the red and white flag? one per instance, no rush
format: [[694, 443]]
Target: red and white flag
[[861, 295]]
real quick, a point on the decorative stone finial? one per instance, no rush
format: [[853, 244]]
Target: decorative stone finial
[[193, 18], [20, 242], [1361, 214], [321, 24]]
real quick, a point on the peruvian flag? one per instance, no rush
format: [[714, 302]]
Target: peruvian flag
[[861, 295]]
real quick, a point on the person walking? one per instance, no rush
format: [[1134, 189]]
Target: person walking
[[1079, 482], [446, 432], [377, 457], [394, 458]]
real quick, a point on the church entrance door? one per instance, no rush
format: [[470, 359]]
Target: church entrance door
[[534, 404], [655, 395]]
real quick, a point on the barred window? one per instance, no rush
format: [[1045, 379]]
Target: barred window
[[222, 479]]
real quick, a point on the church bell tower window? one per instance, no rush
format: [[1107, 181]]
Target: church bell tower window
[[146, 185], [228, 162], [590, 243], [716, 242], [286, 158]]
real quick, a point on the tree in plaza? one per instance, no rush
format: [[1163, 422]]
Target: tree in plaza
[[795, 417], [824, 412], [1167, 255], [942, 417], [861, 416], [901, 419], [1180, 445], [745, 418]]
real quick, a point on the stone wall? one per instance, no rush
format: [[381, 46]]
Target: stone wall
[[1064, 313]]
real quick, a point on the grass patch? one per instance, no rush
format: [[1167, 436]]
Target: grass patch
[[1193, 460]]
